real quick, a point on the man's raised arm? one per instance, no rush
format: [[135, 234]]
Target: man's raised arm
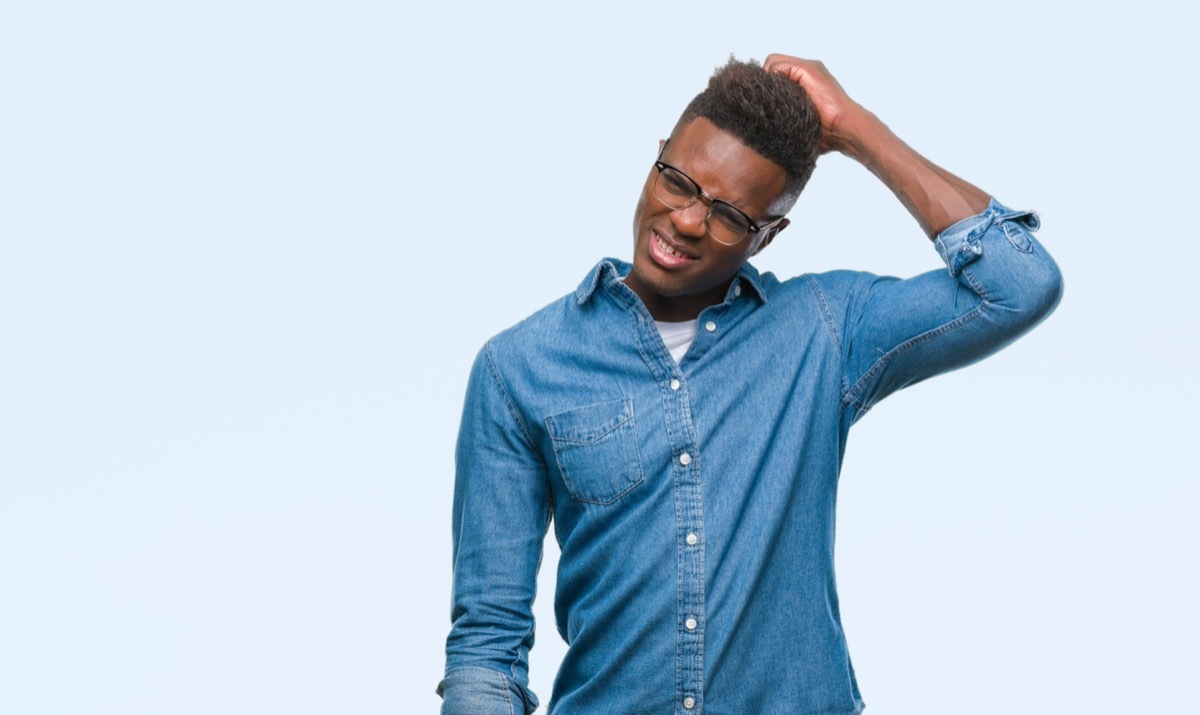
[[1000, 282]]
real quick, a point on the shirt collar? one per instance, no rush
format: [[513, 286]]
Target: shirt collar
[[606, 271], [609, 270]]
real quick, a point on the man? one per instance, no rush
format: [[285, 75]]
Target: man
[[683, 419]]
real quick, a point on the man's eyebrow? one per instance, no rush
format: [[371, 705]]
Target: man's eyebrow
[[749, 197]]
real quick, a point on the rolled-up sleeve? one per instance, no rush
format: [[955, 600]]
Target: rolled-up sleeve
[[999, 283], [501, 513], [472, 690]]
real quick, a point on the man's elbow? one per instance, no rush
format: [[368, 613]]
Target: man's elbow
[[1046, 290], [1036, 293]]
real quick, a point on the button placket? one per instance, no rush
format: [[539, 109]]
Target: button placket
[[686, 472]]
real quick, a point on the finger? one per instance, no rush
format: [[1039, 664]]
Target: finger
[[775, 58], [781, 66], [793, 68], [775, 62]]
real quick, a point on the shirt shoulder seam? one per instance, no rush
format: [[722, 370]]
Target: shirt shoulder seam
[[494, 371], [831, 326]]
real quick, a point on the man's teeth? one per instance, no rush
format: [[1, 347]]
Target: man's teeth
[[667, 248]]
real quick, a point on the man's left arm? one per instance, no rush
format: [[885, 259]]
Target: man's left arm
[[1000, 282]]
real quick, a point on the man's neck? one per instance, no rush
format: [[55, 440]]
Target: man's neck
[[676, 308]]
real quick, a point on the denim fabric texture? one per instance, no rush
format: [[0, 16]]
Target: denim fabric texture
[[694, 502]]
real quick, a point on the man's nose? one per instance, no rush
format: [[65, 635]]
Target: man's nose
[[691, 221]]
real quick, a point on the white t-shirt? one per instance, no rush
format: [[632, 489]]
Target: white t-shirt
[[677, 337]]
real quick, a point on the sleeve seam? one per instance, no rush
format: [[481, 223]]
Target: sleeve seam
[[852, 396], [825, 312], [494, 371], [831, 325]]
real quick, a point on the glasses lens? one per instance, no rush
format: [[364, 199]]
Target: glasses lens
[[674, 189], [726, 224]]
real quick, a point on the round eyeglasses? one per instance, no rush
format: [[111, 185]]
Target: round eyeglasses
[[726, 223]]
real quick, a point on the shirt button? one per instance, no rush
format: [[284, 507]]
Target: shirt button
[[710, 326], [674, 384], [685, 459], [691, 539], [690, 624], [689, 702], [737, 290]]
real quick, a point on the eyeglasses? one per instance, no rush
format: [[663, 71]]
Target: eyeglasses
[[725, 222]]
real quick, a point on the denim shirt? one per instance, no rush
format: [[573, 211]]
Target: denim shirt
[[694, 502]]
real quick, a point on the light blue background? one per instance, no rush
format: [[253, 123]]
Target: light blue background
[[248, 251]]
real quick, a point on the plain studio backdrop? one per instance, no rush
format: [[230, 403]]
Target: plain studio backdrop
[[249, 250]]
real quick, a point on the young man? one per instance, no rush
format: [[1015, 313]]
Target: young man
[[683, 419]]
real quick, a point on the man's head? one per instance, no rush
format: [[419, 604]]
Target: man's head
[[749, 143], [769, 113]]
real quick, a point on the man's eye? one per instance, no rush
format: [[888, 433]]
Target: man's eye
[[677, 184], [729, 217]]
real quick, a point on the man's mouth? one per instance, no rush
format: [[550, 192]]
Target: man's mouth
[[667, 255]]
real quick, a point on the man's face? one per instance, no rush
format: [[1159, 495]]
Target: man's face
[[678, 269]]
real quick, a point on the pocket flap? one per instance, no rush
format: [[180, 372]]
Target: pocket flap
[[591, 423]]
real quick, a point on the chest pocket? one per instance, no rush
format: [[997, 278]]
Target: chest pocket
[[596, 450]]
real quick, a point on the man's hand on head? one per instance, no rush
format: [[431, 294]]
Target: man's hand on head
[[839, 114], [934, 196]]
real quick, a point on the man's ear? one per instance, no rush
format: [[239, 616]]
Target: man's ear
[[771, 234]]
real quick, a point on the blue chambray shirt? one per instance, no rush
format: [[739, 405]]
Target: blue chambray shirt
[[694, 502]]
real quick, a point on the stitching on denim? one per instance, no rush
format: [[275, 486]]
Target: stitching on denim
[[1018, 236], [512, 408], [688, 429], [979, 289], [607, 429], [620, 292], [669, 419], [637, 453], [522, 690], [939, 243], [826, 313], [507, 692], [637, 324], [860, 386], [700, 551], [562, 468], [598, 279], [696, 507], [607, 502]]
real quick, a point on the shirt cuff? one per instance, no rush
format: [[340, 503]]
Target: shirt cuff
[[473, 690], [962, 243]]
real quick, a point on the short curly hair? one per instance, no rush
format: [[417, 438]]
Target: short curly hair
[[768, 112]]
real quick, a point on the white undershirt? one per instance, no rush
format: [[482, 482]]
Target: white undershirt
[[677, 337]]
